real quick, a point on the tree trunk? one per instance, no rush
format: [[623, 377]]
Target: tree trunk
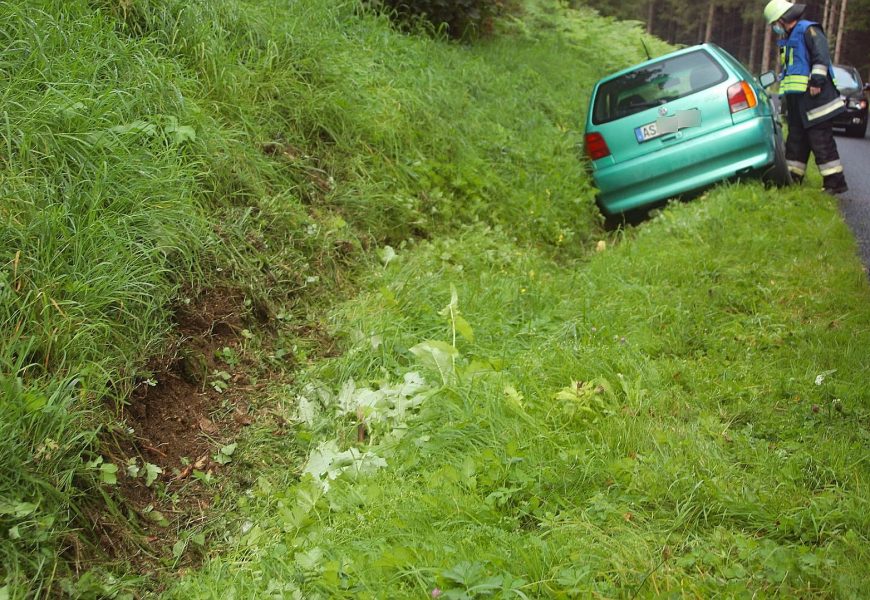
[[832, 17], [650, 14], [711, 14], [765, 53], [840, 29], [825, 14], [744, 42], [753, 44]]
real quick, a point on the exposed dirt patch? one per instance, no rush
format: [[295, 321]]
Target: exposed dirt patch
[[169, 441], [189, 405], [167, 448]]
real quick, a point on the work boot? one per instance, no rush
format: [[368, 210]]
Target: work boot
[[836, 191], [835, 184]]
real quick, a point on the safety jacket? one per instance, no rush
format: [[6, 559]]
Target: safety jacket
[[806, 60]]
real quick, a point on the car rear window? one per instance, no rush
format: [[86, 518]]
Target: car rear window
[[655, 84]]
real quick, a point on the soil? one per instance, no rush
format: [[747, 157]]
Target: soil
[[195, 402], [179, 416], [178, 420]]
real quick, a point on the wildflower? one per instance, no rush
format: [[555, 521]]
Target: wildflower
[[436, 592]]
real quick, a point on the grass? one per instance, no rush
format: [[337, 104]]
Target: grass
[[683, 413], [137, 169], [294, 151]]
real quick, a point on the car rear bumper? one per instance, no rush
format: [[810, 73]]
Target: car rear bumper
[[687, 166]]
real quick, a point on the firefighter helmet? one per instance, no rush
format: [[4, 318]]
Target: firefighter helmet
[[777, 9]]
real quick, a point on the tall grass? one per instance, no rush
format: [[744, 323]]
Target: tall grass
[[99, 229], [151, 148], [682, 414]]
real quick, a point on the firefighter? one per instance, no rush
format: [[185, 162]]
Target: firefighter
[[811, 96]]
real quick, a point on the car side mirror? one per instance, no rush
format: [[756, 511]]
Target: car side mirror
[[767, 79], [867, 87]]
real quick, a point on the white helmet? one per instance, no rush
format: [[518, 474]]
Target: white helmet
[[777, 9]]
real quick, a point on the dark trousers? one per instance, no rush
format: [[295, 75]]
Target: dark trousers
[[818, 139]]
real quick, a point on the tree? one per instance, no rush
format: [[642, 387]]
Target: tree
[[840, 27], [736, 25], [711, 15]]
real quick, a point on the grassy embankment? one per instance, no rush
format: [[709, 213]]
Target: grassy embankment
[[151, 150], [684, 413], [643, 417]]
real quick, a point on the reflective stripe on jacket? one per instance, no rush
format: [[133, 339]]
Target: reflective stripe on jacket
[[806, 61], [795, 58]]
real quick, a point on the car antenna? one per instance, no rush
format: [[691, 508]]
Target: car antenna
[[645, 49]]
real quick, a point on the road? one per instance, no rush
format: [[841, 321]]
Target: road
[[855, 204]]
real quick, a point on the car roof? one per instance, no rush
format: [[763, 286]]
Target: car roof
[[712, 48]]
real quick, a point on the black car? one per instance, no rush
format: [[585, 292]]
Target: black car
[[853, 92], [854, 120]]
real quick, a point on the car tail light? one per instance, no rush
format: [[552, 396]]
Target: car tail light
[[741, 97], [596, 147]]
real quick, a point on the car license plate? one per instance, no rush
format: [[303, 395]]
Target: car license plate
[[666, 125], [646, 132]]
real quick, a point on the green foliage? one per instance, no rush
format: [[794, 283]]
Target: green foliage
[[150, 149], [643, 424], [458, 18]]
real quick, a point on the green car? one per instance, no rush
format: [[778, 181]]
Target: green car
[[677, 124]]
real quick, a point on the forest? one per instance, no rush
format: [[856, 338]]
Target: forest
[[738, 26]]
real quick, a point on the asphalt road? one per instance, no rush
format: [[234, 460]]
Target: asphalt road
[[855, 204]]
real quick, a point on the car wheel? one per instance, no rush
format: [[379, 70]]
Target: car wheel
[[611, 220], [778, 173]]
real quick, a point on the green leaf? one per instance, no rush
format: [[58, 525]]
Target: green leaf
[[463, 327], [157, 517], [138, 126], [439, 356], [109, 473], [22, 509], [225, 455], [151, 473], [17, 509], [178, 548], [311, 560], [181, 133], [513, 397], [34, 401]]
